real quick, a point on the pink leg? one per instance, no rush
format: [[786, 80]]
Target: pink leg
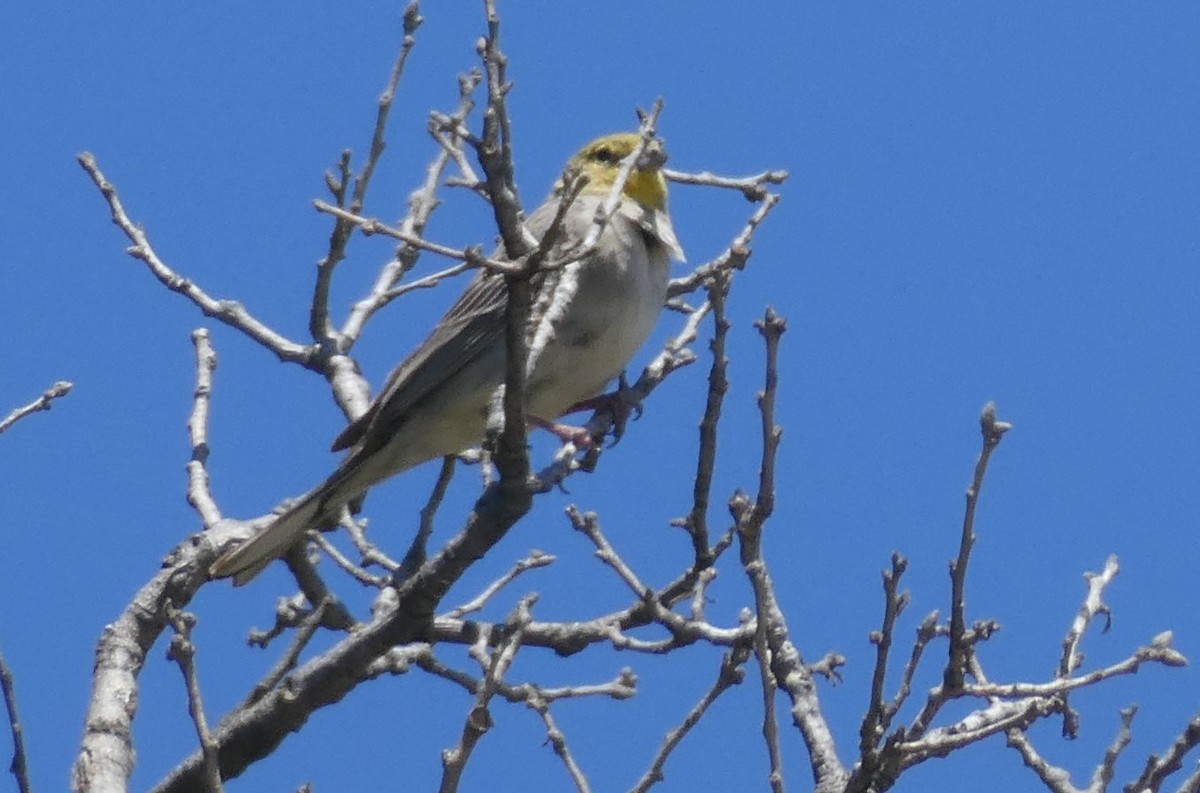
[[620, 404], [566, 433]]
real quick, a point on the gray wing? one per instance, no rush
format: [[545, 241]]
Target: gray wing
[[472, 325]]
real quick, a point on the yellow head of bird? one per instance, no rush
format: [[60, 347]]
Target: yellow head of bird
[[601, 160]]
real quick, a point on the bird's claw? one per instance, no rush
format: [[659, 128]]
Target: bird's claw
[[619, 404]]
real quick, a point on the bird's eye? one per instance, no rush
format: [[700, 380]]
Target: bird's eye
[[606, 155]]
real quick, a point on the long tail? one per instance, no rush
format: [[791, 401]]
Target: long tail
[[250, 558]]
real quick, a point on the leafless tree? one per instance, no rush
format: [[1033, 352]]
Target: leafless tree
[[410, 619]]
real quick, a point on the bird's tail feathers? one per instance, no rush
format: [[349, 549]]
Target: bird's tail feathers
[[250, 558]]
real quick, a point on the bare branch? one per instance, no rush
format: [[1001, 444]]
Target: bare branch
[[183, 652], [308, 629], [993, 430], [59, 389], [199, 492], [1192, 783], [559, 743], [696, 523], [1056, 779], [471, 256], [1072, 658], [421, 205], [731, 674], [1158, 769], [926, 632], [343, 562], [683, 631], [106, 756], [787, 665], [429, 281], [327, 678], [1148, 654], [230, 312], [371, 553], [750, 524], [754, 188], [878, 718], [293, 612], [732, 258], [416, 555], [1105, 772], [494, 148], [621, 688], [770, 724], [699, 593], [535, 559], [319, 326], [20, 761], [999, 717], [479, 720]]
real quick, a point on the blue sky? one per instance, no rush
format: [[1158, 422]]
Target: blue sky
[[986, 202]]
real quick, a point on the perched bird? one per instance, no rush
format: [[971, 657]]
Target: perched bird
[[586, 322]]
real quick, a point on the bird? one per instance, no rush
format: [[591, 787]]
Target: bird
[[436, 401]]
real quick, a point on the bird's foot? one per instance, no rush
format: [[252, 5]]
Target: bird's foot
[[567, 433], [620, 404]]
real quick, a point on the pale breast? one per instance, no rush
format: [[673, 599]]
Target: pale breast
[[619, 295]]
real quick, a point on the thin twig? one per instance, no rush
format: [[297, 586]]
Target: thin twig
[[472, 255], [1056, 780], [1072, 658], [623, 687], [429, 281], [878, 718], [357, 572], [696, 523], [754, 188], [183, 652], [230, 312], [318, 325], [1104, 773], [993, 430], [416, 555], [535, 559], [558, 742], [479, 720], [371, 553], [787, 665], [308, 628], [20, 761], [750, 530], [494, 147], [1151, 653], [683, 631], [768, 687], [59, 389], [732, 258], [731, 674], [421, 205], [926, 632]]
